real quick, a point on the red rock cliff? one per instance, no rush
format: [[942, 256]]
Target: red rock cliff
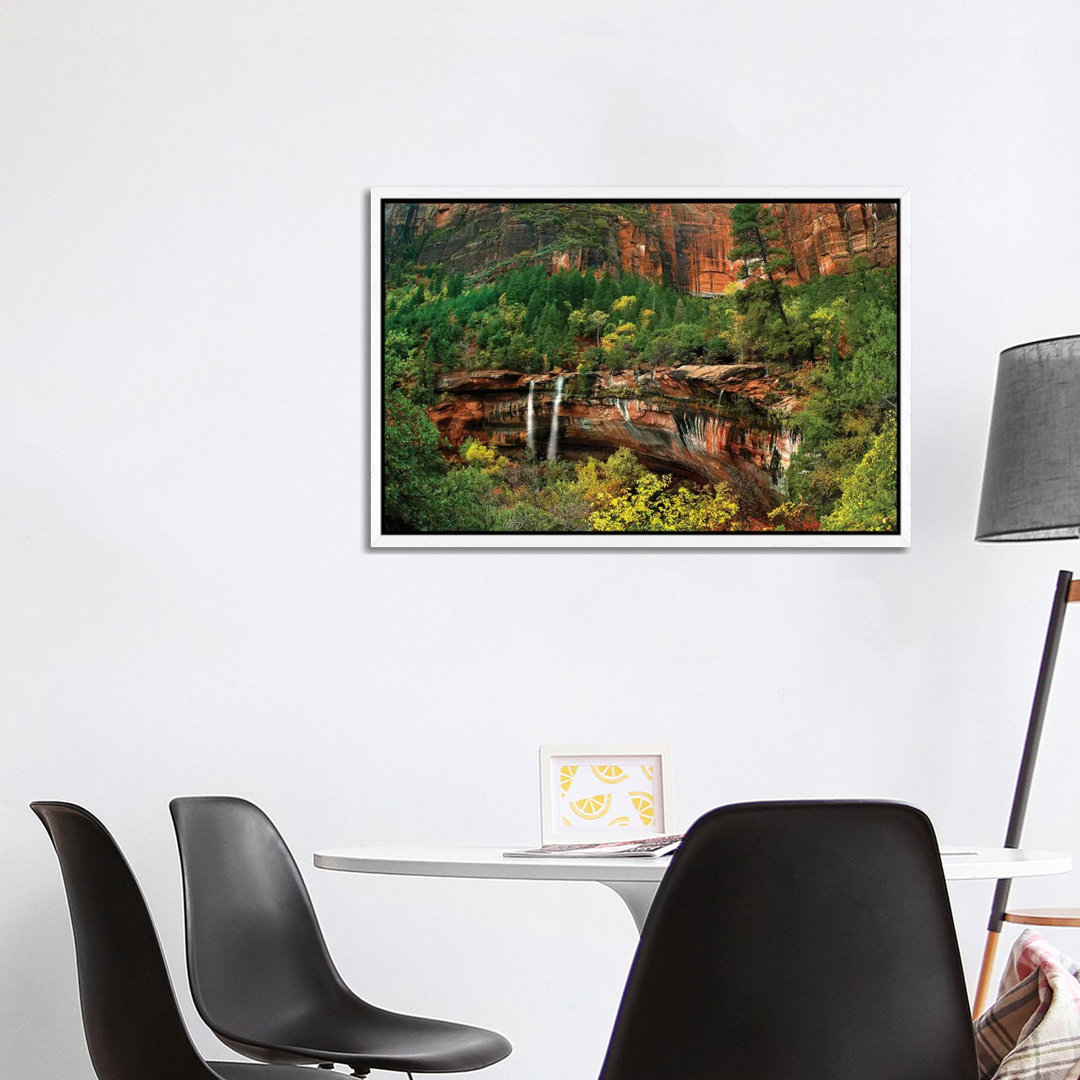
[[686, 244], [708, 423]]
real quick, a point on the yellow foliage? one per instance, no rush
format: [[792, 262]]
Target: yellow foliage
[[601, 481], [512, 314], [828, 324], [651, 506], [740, 337], [792, 517], [622, 332], [624, 303], [487, 458]]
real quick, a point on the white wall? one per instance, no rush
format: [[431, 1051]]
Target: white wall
[[187, 605]]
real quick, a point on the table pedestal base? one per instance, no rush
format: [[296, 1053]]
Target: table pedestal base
[[637, 896]]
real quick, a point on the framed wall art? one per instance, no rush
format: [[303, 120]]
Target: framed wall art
[[596, 793], [640, 368]]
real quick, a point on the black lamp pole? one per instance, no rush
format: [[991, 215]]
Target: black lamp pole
[[1023, 780]]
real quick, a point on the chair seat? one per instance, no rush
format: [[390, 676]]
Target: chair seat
[[364, 1037]]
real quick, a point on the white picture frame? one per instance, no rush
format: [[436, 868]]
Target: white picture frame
[[587, 791], [383, 536]]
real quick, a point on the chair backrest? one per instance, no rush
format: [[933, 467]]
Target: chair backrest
[[255, 952], [798, 941], [132, 1022]]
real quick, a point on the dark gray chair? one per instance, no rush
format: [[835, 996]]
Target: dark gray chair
[[798, 941], [133, 1026], [259, 969]]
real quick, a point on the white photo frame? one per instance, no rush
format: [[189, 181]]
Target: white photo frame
[[386, 533], [590, 794]]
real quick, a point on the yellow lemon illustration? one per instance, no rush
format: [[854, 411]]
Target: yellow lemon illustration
[[609, 774], [591, 808], [646, 771], [619, 821], [643, 804], [566, 777], [567, 821]]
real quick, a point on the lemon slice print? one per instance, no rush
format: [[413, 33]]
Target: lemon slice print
[[591, 808], [566, 777], [609, 774], [646, 771], [624, 820], [643, 804]]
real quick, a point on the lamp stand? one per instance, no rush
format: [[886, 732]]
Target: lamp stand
[[1066, 591]]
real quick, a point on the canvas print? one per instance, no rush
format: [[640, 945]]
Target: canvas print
[[586, 370]]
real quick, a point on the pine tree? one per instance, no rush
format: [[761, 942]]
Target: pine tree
[[757, 242], [757, 237], [533, 310]]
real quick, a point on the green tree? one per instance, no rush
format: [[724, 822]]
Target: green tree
[[596, 321], [412, 465], [525, 517], [757, 243], [868, 500], [533, 310], [850, 399]]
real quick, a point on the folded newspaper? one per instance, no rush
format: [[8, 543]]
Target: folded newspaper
[[651, 847]]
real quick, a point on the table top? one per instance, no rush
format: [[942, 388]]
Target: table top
[[960, 863]]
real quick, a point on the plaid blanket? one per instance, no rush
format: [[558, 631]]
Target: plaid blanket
[[1032, 1031]]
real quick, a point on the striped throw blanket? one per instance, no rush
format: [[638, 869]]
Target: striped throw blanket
[[1032, 1031]]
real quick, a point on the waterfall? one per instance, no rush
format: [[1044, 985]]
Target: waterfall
[[530, 421], [553, 438]]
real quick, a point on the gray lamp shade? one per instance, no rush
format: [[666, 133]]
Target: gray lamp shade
[[1031, 484]]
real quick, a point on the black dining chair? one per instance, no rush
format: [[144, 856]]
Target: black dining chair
[[259, 969], [133, 1026], [798, 941]]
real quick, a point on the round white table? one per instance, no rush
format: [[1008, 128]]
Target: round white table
[[636, 879]]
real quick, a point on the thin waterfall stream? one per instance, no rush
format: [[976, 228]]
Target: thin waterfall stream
[[553, 438], [530, 420]]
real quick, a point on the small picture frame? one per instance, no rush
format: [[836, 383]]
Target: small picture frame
[[590, 794]]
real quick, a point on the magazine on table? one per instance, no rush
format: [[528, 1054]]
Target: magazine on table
[[649, 847]]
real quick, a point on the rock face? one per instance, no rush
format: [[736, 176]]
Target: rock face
[[825, 237], [708, 423], [685, 244]]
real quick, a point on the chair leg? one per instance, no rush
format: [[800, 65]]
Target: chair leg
[[983, 990]]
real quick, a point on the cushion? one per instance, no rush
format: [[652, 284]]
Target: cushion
[[1032, 1031]]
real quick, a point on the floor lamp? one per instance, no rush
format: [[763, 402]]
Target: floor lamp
[[1031, 491]]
